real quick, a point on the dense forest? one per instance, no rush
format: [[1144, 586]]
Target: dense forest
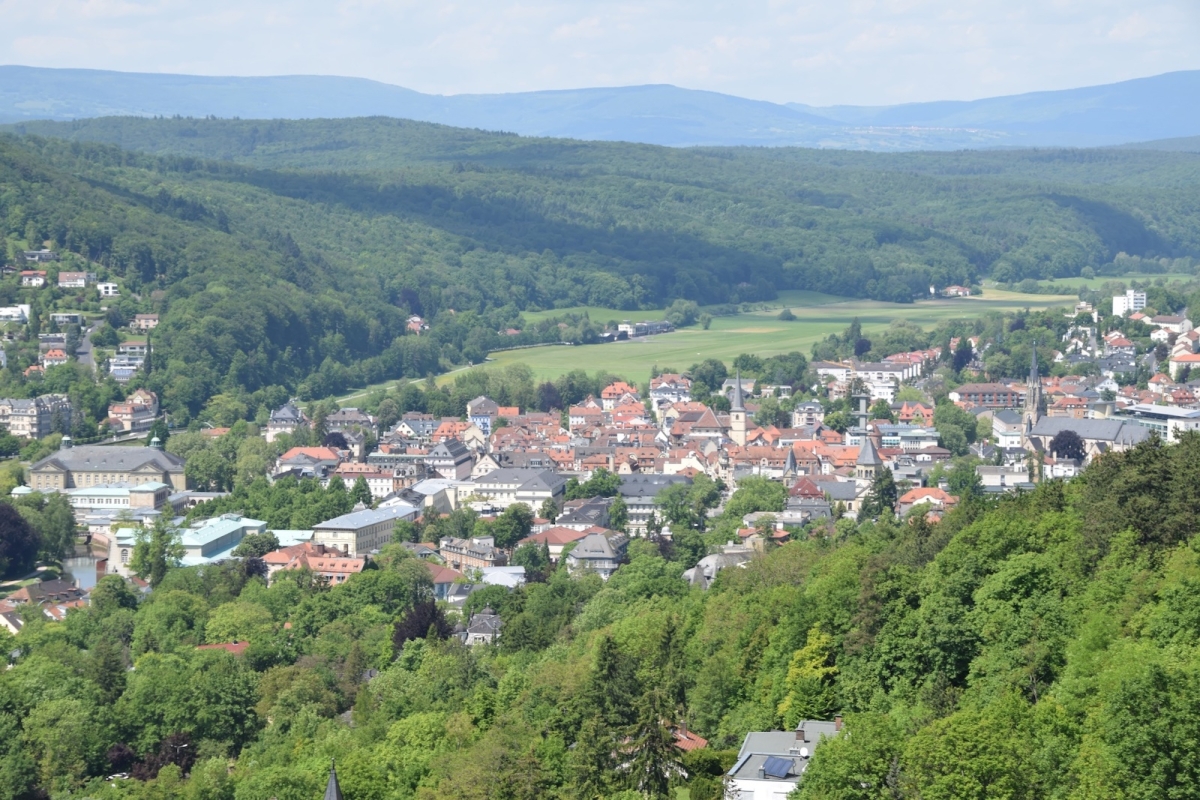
[[286, 256], [1039, 646]]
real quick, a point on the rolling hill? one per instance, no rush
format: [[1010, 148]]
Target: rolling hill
[[287, 255], [1147, 108]]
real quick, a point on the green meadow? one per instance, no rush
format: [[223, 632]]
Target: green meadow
[[759, 332]]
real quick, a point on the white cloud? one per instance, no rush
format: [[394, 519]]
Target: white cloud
[[813, 51]]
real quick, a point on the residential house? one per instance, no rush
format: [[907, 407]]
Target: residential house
[[482, 411], [17, 313], [329, 564], [483, 628], [123, 368], [450, 460], [75, 280], [601, 553], [54, 357], [639, 493], [108, 289], [617, 393], [40, 256], [144, 322], [808, 414], [288, 418], [556, 539], [33, 278], [1007, 428], [933, 498], [478, 552], [36, 418], [508, 485], [134, 414], [668, 389], [770, 764], [133, 347], [312, 462], [62, 318], [1183, 364]]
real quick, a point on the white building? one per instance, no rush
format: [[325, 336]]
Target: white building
[[360, 532], [771, 763], [108, 289], [1128, 303]]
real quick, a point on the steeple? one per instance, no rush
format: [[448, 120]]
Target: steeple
[[1034, 404], [332, 790], [737, 413], [738, 403], [868, 462]]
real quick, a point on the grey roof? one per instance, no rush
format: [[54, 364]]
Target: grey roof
[[737, 403], [115, 459], [838, 490], [599, 547], [332, 790], [1008, 416], [361, 519], [287, 413], [787, 745], [483, 406], [485, 622], [529, 479], [648, 485], [868, 456], [1100, 430], [451, 449]]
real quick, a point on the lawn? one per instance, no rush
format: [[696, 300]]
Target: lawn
[[760, 332], [1073, 284]]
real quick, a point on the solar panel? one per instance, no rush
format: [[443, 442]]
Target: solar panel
[[776, 767]]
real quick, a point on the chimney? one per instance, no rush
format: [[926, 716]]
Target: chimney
[[801, 734], [837, 722]]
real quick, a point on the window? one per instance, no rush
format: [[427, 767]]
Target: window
[[124, 556]]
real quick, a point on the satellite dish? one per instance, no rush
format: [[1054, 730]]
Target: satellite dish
[[804, 752]]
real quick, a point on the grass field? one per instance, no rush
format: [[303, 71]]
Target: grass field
[[758, 332], [1073, 284]]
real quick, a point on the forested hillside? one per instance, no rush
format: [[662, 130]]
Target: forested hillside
[[287, 255], [1039, 646]]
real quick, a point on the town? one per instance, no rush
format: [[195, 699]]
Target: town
[[501, 495]]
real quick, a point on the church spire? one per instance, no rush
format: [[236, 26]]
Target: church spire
[[1033, 366], [738, 403], [332, 790]]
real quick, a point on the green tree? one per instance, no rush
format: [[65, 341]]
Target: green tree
[[160, 431], [513, 525], [256, 545], [881, 497], [19, 543], [156, 551], [618, 514], [809, 685], [361, 493], [549, 509]]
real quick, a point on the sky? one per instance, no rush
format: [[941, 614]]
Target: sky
[[820, 52]]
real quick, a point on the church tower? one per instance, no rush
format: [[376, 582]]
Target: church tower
[[737, 413], [1035, 404]]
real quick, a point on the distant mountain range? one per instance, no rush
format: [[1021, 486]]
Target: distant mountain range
[[1161, 107]]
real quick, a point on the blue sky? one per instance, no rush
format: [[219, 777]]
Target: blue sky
[[847, 51]]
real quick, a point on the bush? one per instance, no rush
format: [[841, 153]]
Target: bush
[[786, 315]]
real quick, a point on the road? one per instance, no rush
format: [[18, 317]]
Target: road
[[84, 351]]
